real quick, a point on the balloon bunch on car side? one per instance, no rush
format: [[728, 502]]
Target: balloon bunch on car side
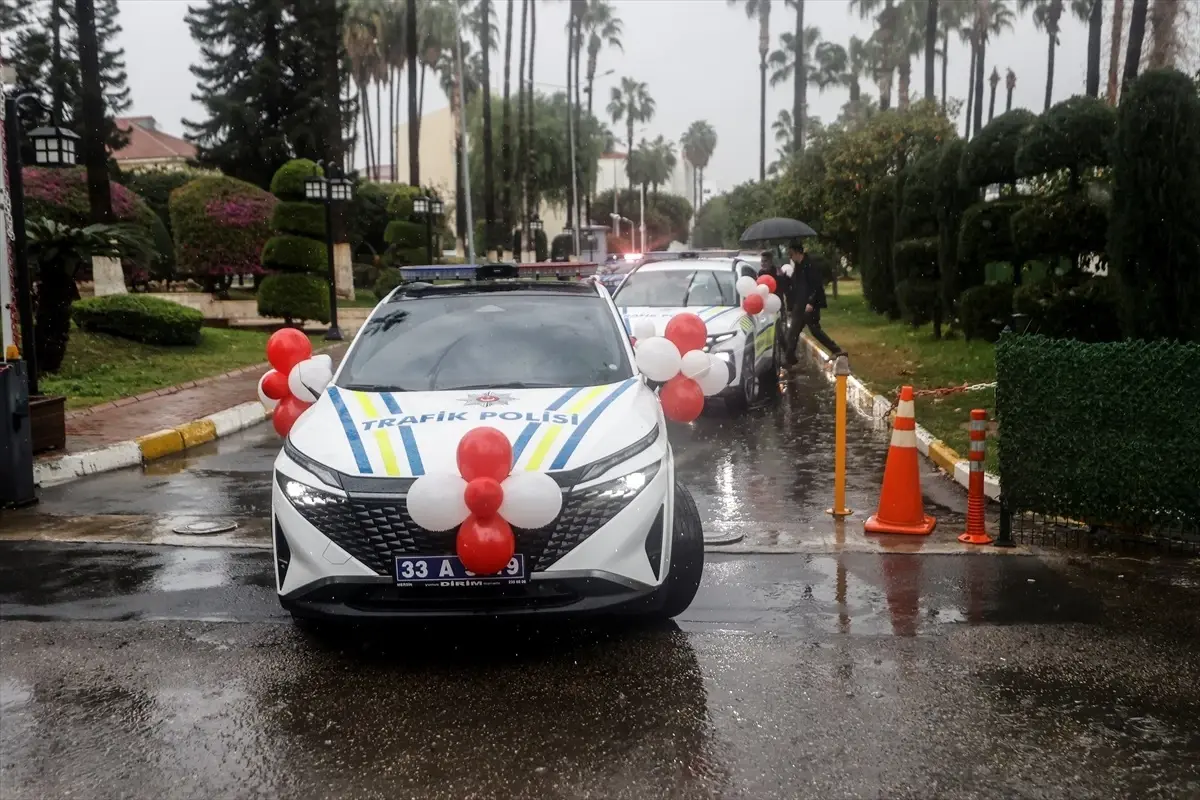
[[678, 361], [484, 500], [758, 296], [297, 380]]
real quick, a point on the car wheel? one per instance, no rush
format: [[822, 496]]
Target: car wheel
[[747, 392], [687, 557]]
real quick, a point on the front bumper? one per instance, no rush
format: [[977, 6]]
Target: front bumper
[[601, 555]]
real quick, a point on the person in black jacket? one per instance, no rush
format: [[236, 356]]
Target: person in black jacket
[[807, 299]]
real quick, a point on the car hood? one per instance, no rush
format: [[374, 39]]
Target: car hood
[[718, 319], [406, 434]]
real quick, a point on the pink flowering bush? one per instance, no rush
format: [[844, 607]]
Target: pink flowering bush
[[220, 226]]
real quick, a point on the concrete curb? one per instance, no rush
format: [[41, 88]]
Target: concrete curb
[[875, 407], [149, 447]]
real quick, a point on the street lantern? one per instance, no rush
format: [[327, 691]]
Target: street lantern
[[428, 207], [314, 189], [421, 205], [436, 207], [327, 191], [536, 223], [341, 190], [54, 146]]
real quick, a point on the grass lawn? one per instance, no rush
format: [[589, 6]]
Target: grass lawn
[[886, 355], [99, 368]]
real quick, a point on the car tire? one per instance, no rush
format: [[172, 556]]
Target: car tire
[[748, 388], [686, 567]]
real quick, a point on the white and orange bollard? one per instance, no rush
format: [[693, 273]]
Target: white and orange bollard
[[976, 532], [901, 507]]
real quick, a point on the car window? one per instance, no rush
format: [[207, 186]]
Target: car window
[[674, 288], [488, 340]]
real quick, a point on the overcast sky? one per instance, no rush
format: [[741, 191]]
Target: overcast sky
[[698, 57]]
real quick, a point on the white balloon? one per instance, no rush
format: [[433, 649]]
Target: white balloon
[[716, 379], [772, 303], [745, 286], [643, 329], [762, 290], [658, 358], [438, 502], [308, 379], [267, 402], [531, 500], [694, 364]]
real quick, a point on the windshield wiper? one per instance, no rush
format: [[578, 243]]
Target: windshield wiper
[[364, 387]]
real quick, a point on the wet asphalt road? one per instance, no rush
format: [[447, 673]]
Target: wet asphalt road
[[803, 669]]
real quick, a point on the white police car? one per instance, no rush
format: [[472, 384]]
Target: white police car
[[549, 365], [751, 346]]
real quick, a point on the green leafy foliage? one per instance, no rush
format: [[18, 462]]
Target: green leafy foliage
[[916, 215], [1154, 240], [748, 203], [400, 201], [294, 297], [712, 228], [404, 235], [1074, 135], [288, 253], [301, 219], [367, 216], [951, 199], [139, 318], [985, 235], [220, 225], [288, 181], [541, 247], [388, 280], [155, 187], [990, 157], [1087, 309], [985, 310], [915, 270], [1065, 225], [1092, 431], [879, 288], [668, 216]]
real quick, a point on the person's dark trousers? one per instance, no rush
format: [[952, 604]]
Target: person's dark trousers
[[801, 318]]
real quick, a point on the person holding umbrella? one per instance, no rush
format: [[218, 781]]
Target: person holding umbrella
[[807, 298]]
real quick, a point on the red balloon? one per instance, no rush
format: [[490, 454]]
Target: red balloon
[[753, 304], [484, 496], [286, 414], [275, 385], [687, 332], [767, 281], [485, 546], [286, 348], [484, 453], [682, 399]]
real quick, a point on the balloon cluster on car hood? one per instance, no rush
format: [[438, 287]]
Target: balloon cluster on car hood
[[678, 360]]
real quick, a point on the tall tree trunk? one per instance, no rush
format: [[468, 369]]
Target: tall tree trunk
[[764, 49], [364, 111], [855, 93], [579, 173], [570, 123], [931, 32], [391, 139], [1137, 32], [506, 153], [522, 139], [414, 110], [971, 91], [95, 157], [1164, 38], [57, 79], [335, 148], [981, 62], [1053, 38], [1095, 29], [489, 166], [799, 87], [378, 129], [532, 203], [888, 29], [905, 70], [421, 99], [1008, 97], [995, 81], [945, 64], [1114, 52]]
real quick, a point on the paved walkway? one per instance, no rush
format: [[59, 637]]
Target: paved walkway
[[132, 417]]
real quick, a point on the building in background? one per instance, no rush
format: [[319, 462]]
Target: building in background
[[150, 148]]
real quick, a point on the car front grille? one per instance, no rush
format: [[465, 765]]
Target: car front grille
[[376, 531]]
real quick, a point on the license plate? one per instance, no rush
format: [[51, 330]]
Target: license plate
[[449, 571]]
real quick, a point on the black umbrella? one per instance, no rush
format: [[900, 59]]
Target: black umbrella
[[776, 229]]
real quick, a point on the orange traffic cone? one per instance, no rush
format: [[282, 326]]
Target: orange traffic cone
[[901, 509], [976, 503]]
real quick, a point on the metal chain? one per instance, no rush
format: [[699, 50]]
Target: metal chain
[[945, 391]]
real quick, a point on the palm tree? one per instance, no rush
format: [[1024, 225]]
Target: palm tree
[[699, 142], [489, 167], [95, 156], [931, 37], [1114, 52], [414, 118], [1046, 16], [435, 31], [968, 35], [860, 57], [362, 49], [1092, 12], [784, 129], [1137, 32], [652, 163], [1164, 39], [799, 82], [522, 140], [760, 10], [887, 21], [950, 18], [506, 125], [530, 142], [602, 27], [632, 103], [992, 18], [909, 38], [826, 64]]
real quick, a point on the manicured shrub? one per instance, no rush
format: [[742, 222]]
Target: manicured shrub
[[388, 280], [301, 219], [951, 199], [985, 235], [1074, 135], [990, 156], [139, 317], [220, 226], [985, 310], [294, 297], [541, 250], [916, 216], [289, 253], [914, 268], [365, 274], [1087, 310], [1154, 238], [404, 235], [367, 216], [400, 201], [288, 181], [879, 288], [1066, 225], [155, 187]]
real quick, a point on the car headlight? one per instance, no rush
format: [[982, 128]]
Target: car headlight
[[304, 496], [598, 468], [321, 473], [627, 486], [718, 339]]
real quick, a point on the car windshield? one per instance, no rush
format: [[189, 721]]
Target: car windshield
[[487, 340], [673, 288]]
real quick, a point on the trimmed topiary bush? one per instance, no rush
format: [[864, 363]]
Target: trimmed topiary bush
[[388, 280], [990, 156], [294, 297], [155, 187], [879, 289], [220, 226], [400, 201], [139, 317], [951, 199], [288, 181], [1064, 225], [985, 310], [915, 255], [1087, 310], [302, 219], [289, 253], [1074, 135], [404, 235], [1154, 238], [985, 236]]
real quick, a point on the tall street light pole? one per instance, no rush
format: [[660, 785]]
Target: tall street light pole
[[329, 189]]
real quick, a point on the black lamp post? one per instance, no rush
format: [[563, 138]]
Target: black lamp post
[[428, 207], [535, 227], [328, 190], [52, 147]]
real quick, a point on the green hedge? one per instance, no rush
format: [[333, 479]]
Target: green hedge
[[220, 225], [915, 269], [295, 297], [404, 235], [951, 199], [400, 201], [290, 253], [388, 280], [1092, 432], [916, 216], [879, 290], [139, 317], [301, 219], [1074, 135], [990, 157], [985, 310], [155, 187], [985, 235], [288, 181], [1064, 225], [1087, 310]]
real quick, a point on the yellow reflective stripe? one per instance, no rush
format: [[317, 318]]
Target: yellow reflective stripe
[[390, 465], [576, 406], [366, 404]]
